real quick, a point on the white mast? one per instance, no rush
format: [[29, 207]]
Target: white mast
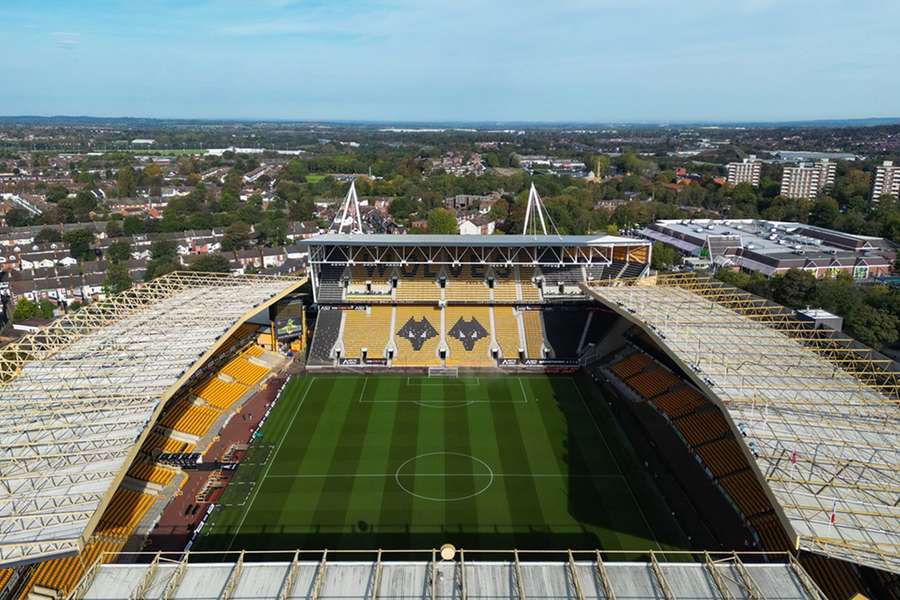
[[535, 215], [351, 199]]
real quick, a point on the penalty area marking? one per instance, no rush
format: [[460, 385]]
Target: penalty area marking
[[442, 402]]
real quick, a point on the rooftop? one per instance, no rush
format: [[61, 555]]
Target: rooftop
[[820, 423], [580, 577], [77, 398], [513, 241]]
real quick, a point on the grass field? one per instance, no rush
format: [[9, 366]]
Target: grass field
[[413, 462]]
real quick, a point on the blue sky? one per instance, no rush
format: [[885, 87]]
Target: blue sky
[[547, 60]]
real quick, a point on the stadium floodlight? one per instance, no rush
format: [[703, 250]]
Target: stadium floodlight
[[351, 201]]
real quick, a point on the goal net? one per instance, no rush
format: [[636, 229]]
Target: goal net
[[443, 371]]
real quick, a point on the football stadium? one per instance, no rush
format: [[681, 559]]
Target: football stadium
[[424, 416]]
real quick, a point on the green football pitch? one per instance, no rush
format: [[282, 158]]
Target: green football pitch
[[397, 462]]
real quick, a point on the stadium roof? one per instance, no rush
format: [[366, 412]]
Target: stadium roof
[[512, 241], [572, 579], [820, 421], [77, 398]]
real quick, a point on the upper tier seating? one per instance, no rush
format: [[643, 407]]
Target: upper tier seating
[[468, 336], [328, 327], [534, 333], [505, 284], [466, 284], [506, 329], [530, 291], [418, 289], [367, 329], [417, 336]]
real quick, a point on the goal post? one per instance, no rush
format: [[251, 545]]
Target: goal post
[[443, 371]]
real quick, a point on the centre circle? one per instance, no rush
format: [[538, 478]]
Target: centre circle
[[444, 476]]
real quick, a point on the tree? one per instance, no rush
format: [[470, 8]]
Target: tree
[[25, 309], [79, 241], [132, 226], [55, 193], [442, 221], [126, 182], [211, 263], [18, 217], [45, 309], [163, 259], [48, 235], [118, 252], [664, 256], [114, 229], [117, 279], [795, 289], [237, 236], [824, 212]]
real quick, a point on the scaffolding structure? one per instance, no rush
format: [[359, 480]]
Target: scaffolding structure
[[78, 397], [819, 414]]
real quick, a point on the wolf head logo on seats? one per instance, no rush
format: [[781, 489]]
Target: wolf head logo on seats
[[417, 332], [468, 332]]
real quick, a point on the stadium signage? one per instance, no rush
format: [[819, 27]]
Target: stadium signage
[[537, 362], [358, 362]]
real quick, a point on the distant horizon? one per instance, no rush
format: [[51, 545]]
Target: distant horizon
[[873, 120], [400, 61]]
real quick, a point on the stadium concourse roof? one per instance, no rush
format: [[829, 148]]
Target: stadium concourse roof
[[506, 241], [820, 420], [77, 398], [573, 576]]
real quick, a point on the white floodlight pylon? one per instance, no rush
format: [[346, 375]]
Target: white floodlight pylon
[[351, 200], [536, 215]]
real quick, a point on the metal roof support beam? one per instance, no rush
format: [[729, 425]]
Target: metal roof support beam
[[464, 594], [376, 580], [746, 580], [520, 584], [713, 569], [175, 581], [805, 580], [320, 576], [288, 584], [146, 581], [433, 582], [603, 575], [573, 571], [660, 577], [233, 578]]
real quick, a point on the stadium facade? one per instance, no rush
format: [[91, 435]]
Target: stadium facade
[[795, 426]]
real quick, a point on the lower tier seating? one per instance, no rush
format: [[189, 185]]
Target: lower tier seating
[[328, 327], [631, 365], [417, 336], [219, 393], [189, 418], [506, 330], [534, 333], [369, 330], [468, 336], [151, 472]]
